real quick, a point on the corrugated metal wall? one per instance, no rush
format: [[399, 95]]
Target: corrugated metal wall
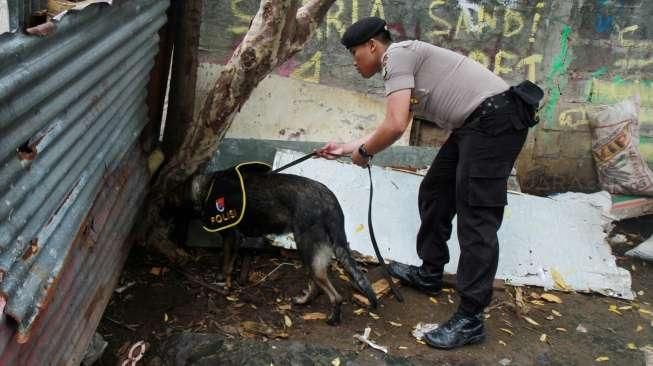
[[72, 175]]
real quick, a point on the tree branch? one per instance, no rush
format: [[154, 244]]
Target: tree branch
[[279, 30]]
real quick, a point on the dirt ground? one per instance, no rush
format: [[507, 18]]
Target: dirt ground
[[584, 329]]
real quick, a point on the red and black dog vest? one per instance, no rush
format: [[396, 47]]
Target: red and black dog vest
[[226, 200]]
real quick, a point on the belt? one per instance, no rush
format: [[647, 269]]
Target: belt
[[491, 105]]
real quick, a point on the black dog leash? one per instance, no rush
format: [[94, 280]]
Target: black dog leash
[[294, 162], [379, 257], [386, 272]]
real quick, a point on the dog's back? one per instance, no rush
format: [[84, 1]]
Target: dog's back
[[281, 203]]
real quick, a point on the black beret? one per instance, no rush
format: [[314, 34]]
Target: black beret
[[362, 31]]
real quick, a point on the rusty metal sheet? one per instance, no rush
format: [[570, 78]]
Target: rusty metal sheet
[[72, 106]]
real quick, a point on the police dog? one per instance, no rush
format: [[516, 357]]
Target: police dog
[[286, 203]]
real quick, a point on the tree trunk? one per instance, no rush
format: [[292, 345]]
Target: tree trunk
[[279, 29]]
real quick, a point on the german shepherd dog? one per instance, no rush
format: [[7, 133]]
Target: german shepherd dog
[[286, 203]]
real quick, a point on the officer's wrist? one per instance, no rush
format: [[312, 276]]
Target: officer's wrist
[[362, 150]]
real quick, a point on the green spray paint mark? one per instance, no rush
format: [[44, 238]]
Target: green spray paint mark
[[600, 72], [556, 80], [618, 80]]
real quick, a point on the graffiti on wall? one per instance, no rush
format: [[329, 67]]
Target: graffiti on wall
[[490, 34], [583, 52]]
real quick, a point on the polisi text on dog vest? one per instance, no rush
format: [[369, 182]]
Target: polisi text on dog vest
[[226, 200]]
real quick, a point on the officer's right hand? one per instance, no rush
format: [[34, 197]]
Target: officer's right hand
[[331, 151]]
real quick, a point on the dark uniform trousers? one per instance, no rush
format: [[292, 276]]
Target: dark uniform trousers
[[469, 178]]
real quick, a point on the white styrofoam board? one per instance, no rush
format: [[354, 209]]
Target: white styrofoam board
[[539, 235]]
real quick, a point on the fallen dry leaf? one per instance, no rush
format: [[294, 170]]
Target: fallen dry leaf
[[543, 337], [639, 328], [433, 300], [262, 329], [402, 347], [559, 280], [285, 307], [155, 271], [530, 320], [232, 298], [359, 311], [556, 313], [550, 317], [374, 316], [537, 302], [613, 308], [450, 299], [602, 359], [395, 324], [502, 343], [165, 317], [561, 329], [448, 290], [631, 346], [535, 295], [644, 311], [581, 329], [420, 341], [519, 301], [336, 361], [551, 298], [628, 307], [314, 316], [507, 331], [287, 321]]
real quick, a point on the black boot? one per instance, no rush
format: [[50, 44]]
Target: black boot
[[417, 277], [458, 331]]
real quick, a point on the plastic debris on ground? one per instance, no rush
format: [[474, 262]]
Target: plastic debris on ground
[[423, 328], [365, 338]]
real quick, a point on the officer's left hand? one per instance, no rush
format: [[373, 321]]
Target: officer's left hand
[[359, 159]]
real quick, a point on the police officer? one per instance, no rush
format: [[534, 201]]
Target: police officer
[[469, 175]]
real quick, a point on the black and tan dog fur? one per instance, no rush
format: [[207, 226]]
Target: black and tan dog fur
[[285, 203]]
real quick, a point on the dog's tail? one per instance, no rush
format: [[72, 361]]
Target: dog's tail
[[343, 255]]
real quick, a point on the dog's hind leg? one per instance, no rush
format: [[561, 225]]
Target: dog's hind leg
[[309, 294], [320, 268]]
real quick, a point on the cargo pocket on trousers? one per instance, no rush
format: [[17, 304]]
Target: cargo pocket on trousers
[[488, 184]]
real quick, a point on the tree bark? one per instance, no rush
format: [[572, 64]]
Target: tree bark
[[279, 29]]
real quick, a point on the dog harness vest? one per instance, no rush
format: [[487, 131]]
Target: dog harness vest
[[225, 203]]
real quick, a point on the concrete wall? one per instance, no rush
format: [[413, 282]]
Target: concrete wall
[[584, 52]]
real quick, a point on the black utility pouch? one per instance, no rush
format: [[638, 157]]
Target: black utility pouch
[[530, 95]]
